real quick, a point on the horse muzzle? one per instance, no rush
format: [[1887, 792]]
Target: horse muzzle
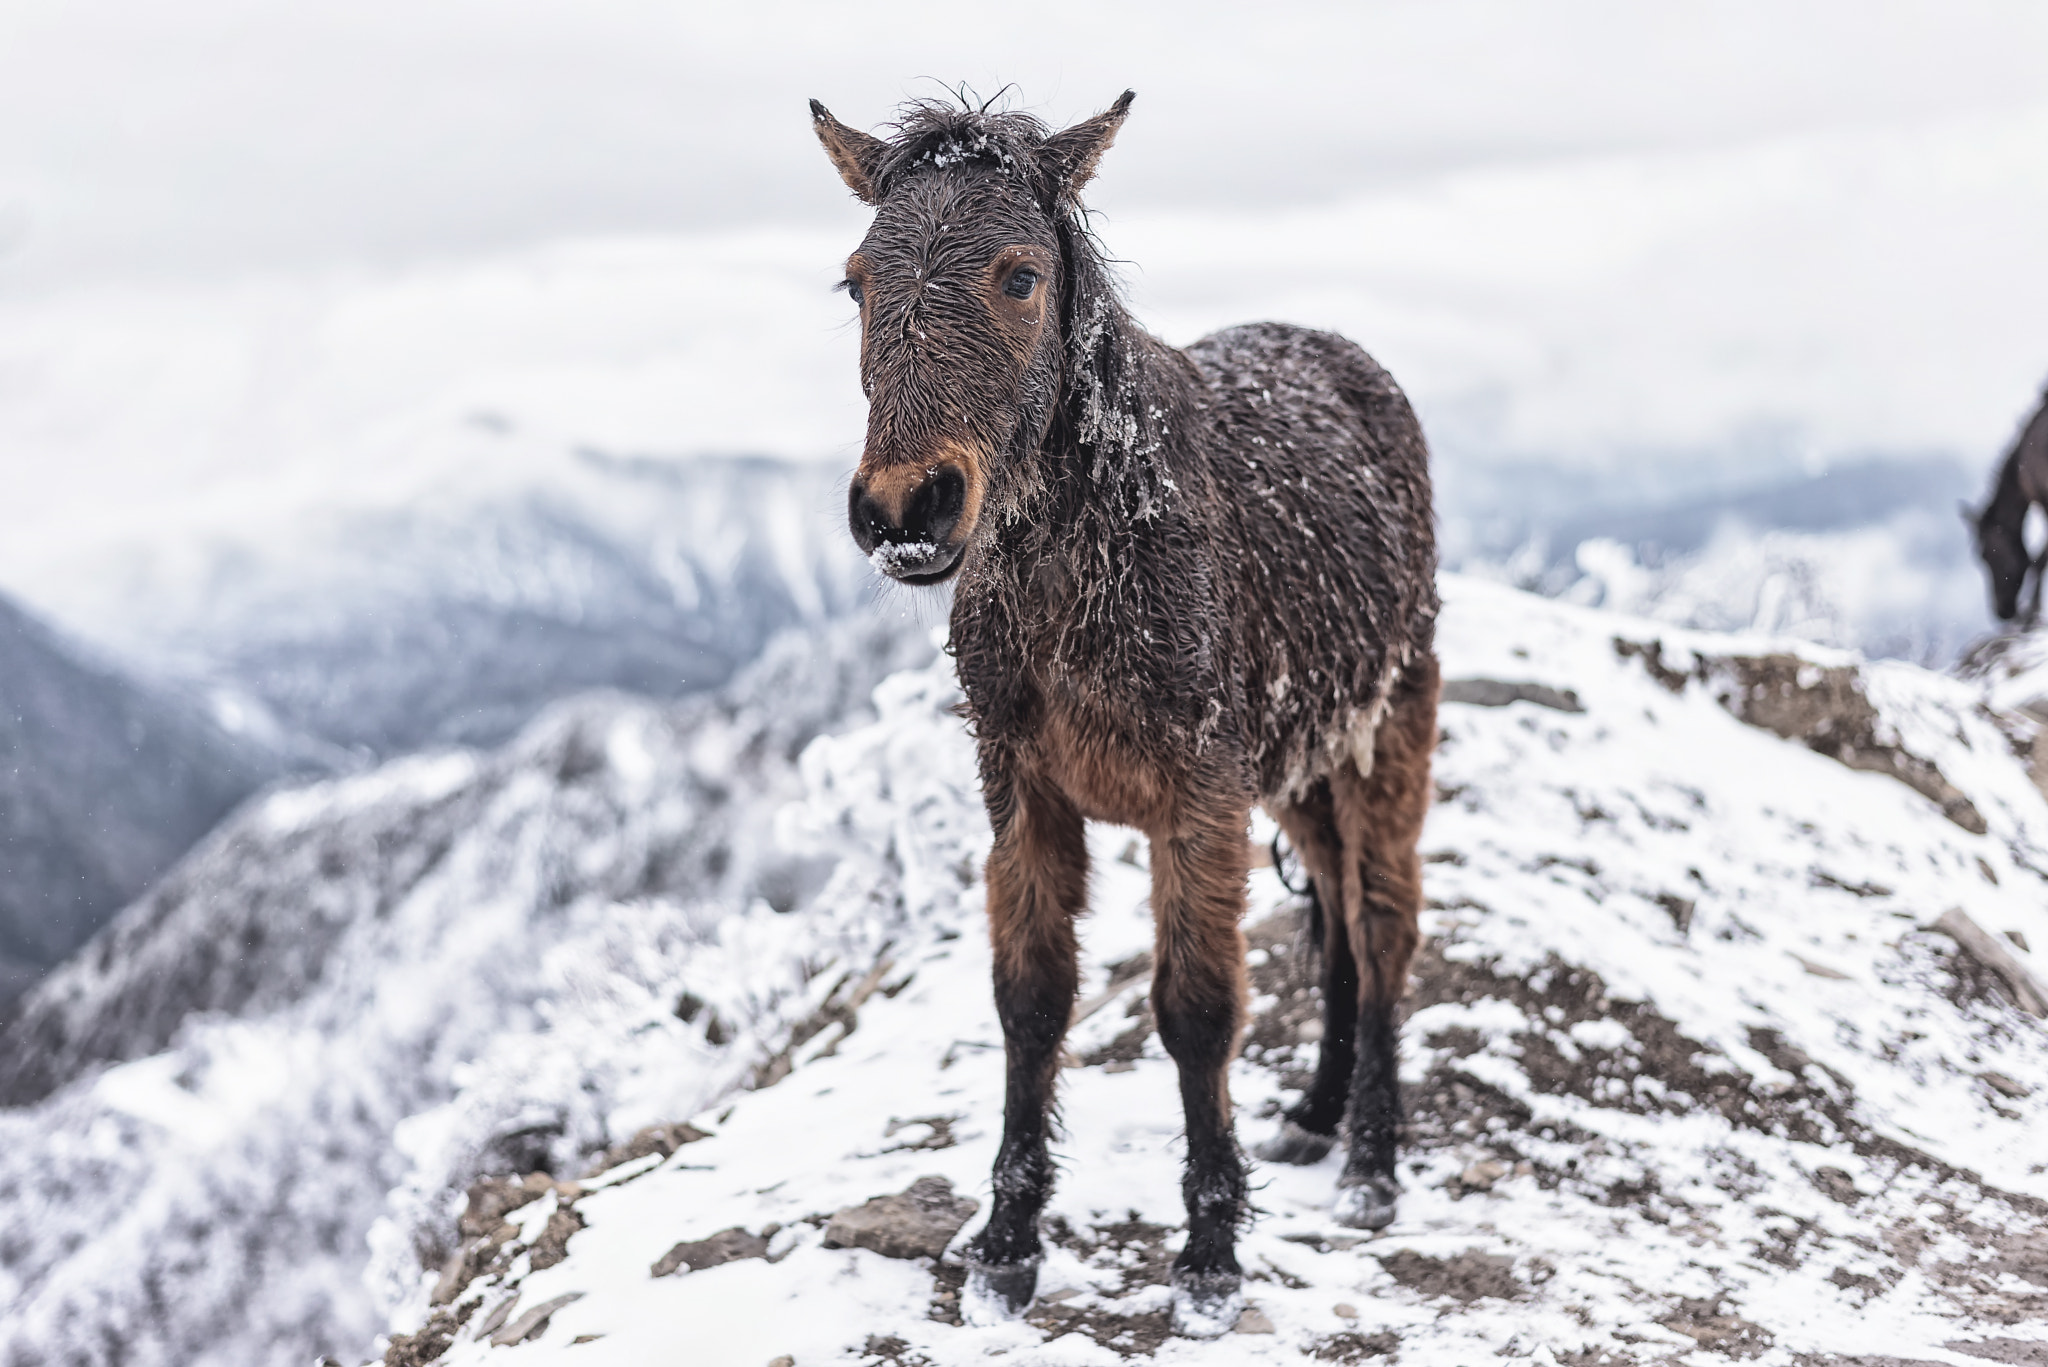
[[911, 520]]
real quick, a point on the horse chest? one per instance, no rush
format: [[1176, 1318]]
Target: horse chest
[[1104, 770]]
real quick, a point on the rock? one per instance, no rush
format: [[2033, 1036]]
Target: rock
[[533, 1323], [1344, 1310], [1253, 1321], [2005, 1086], [726, 1246], [2029, 992], [1482, 1175], [915, 1223], [661, 1139], [1500, 692], [553, 1244], [493, 1198], [784, 1361], [501, 1312]]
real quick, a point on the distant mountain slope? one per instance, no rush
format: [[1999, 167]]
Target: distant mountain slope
[[453, 617], [332, 960], [104, 782]]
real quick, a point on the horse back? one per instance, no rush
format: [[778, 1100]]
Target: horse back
[[1325, 533]]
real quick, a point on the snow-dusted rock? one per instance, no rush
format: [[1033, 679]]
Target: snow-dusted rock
[[917, 1222]]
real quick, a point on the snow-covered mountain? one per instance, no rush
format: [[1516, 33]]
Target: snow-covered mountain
[[209, 1097], [1690, 1069], [105, 780], [453, 617]]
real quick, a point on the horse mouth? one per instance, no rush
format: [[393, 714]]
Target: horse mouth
[[919, 564]]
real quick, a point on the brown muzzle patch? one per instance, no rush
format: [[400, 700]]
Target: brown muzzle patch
[[913, 518]]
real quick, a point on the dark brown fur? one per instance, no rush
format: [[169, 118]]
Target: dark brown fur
[[2001, 526], [1187, 581]]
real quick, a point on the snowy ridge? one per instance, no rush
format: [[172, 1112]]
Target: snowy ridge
[[339, 958], [1689, 1075]]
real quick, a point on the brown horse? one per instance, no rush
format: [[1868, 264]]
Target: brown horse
[[1187, 582], [2001, 526]]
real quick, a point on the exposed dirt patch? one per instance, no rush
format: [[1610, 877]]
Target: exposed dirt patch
[[1129, 1045], [947, 1279], [2020, 1352], [1350, 1348], [1708, 1322], [890, 1351], [1466, 1277], [1136, 1250]]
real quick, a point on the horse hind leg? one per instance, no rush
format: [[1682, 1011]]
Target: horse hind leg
[[1308, 1131], [1379, 818]]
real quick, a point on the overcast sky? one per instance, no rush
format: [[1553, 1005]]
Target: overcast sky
[[260, 259], [213, 137]]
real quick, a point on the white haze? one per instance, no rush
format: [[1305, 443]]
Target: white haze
[[258, 266]]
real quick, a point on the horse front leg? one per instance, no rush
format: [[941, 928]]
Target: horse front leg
[[1037, 885], [1198, 991]]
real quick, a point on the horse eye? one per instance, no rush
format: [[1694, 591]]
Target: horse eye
[[853, 292], [1021, 284]]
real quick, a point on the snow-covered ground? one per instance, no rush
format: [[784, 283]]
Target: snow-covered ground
[[1690, 1074]]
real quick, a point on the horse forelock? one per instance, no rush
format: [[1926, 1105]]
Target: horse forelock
[[935, 135]]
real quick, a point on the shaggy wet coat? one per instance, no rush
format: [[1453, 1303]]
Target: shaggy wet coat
[[1187, 582]]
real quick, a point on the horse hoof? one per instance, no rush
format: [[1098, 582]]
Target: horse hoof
[[1369, 1204], [996, 1292], [1293, 1144], [1206, 1304]]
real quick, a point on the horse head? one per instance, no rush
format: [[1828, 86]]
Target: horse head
[[965, 305]]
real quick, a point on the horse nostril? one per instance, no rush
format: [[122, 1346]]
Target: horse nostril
[[867, 519], [934, 510]]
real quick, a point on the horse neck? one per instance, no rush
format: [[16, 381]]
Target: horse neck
[[2008, 506]]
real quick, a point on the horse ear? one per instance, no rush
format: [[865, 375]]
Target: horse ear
[[1970, 515], [857, 155], [1072, 154]]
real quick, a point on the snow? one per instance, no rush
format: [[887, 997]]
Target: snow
[[891, 556], [1856, 1187], [325, 1012]]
